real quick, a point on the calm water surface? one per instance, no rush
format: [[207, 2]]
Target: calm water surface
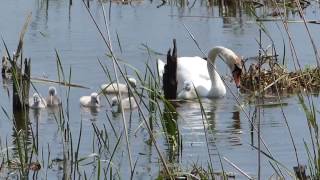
[[72, 33]]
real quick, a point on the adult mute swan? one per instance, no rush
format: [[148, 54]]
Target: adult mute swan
[[123, 88], [202, 73], [37, 102], [53, 99], [90, 101]]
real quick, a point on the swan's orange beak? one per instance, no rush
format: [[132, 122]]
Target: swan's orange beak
[[236, 73]]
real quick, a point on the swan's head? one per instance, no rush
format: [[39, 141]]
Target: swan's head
[[236, 71], [132, 81], [52, 91], [95, 99]]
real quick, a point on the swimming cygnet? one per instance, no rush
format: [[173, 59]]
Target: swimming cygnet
[[188, 91], [53, 99], [123, 88], [127, 103], [37, 102], [6, 66], [90, 101]]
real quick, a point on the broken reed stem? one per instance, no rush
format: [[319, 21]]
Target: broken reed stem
[[237, 168], [259, 109]]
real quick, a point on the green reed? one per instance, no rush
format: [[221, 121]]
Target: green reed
[[313, 152], [153, 108]]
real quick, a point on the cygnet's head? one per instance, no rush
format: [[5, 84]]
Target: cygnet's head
[[95, 99], [132, 81], [114, 101], [187, 85], [36, 98], [188, 91], [5, 62], [52, 91]]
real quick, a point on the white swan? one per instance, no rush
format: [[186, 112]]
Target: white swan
[[53, 99], [90, 101], [37, 102], [123, 88], [202, 73], [127, 103]]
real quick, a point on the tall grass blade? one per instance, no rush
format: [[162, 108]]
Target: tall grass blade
[[22, 33]]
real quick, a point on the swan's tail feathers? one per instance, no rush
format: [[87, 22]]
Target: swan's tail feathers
[[169, 80]]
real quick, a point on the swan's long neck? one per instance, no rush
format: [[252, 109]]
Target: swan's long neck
[[214, 76], [216, 80], [218, 88]]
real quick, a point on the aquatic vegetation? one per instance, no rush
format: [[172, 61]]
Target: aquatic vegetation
[[312, 148], [271, 78], [196, 172]]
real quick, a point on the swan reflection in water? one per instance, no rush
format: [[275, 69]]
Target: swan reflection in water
[[89, 112], [222, 126], [223, 123]]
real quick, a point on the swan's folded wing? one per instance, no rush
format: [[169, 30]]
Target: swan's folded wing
[[188, 69], [160, 66], [194, 66], [191, 69]]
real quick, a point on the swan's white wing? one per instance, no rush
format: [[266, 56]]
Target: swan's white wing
[[160, 66], [192, 69]]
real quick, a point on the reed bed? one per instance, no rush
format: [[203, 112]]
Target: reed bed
[[272, 78]]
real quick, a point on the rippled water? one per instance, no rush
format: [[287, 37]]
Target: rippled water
[[229, 133]]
